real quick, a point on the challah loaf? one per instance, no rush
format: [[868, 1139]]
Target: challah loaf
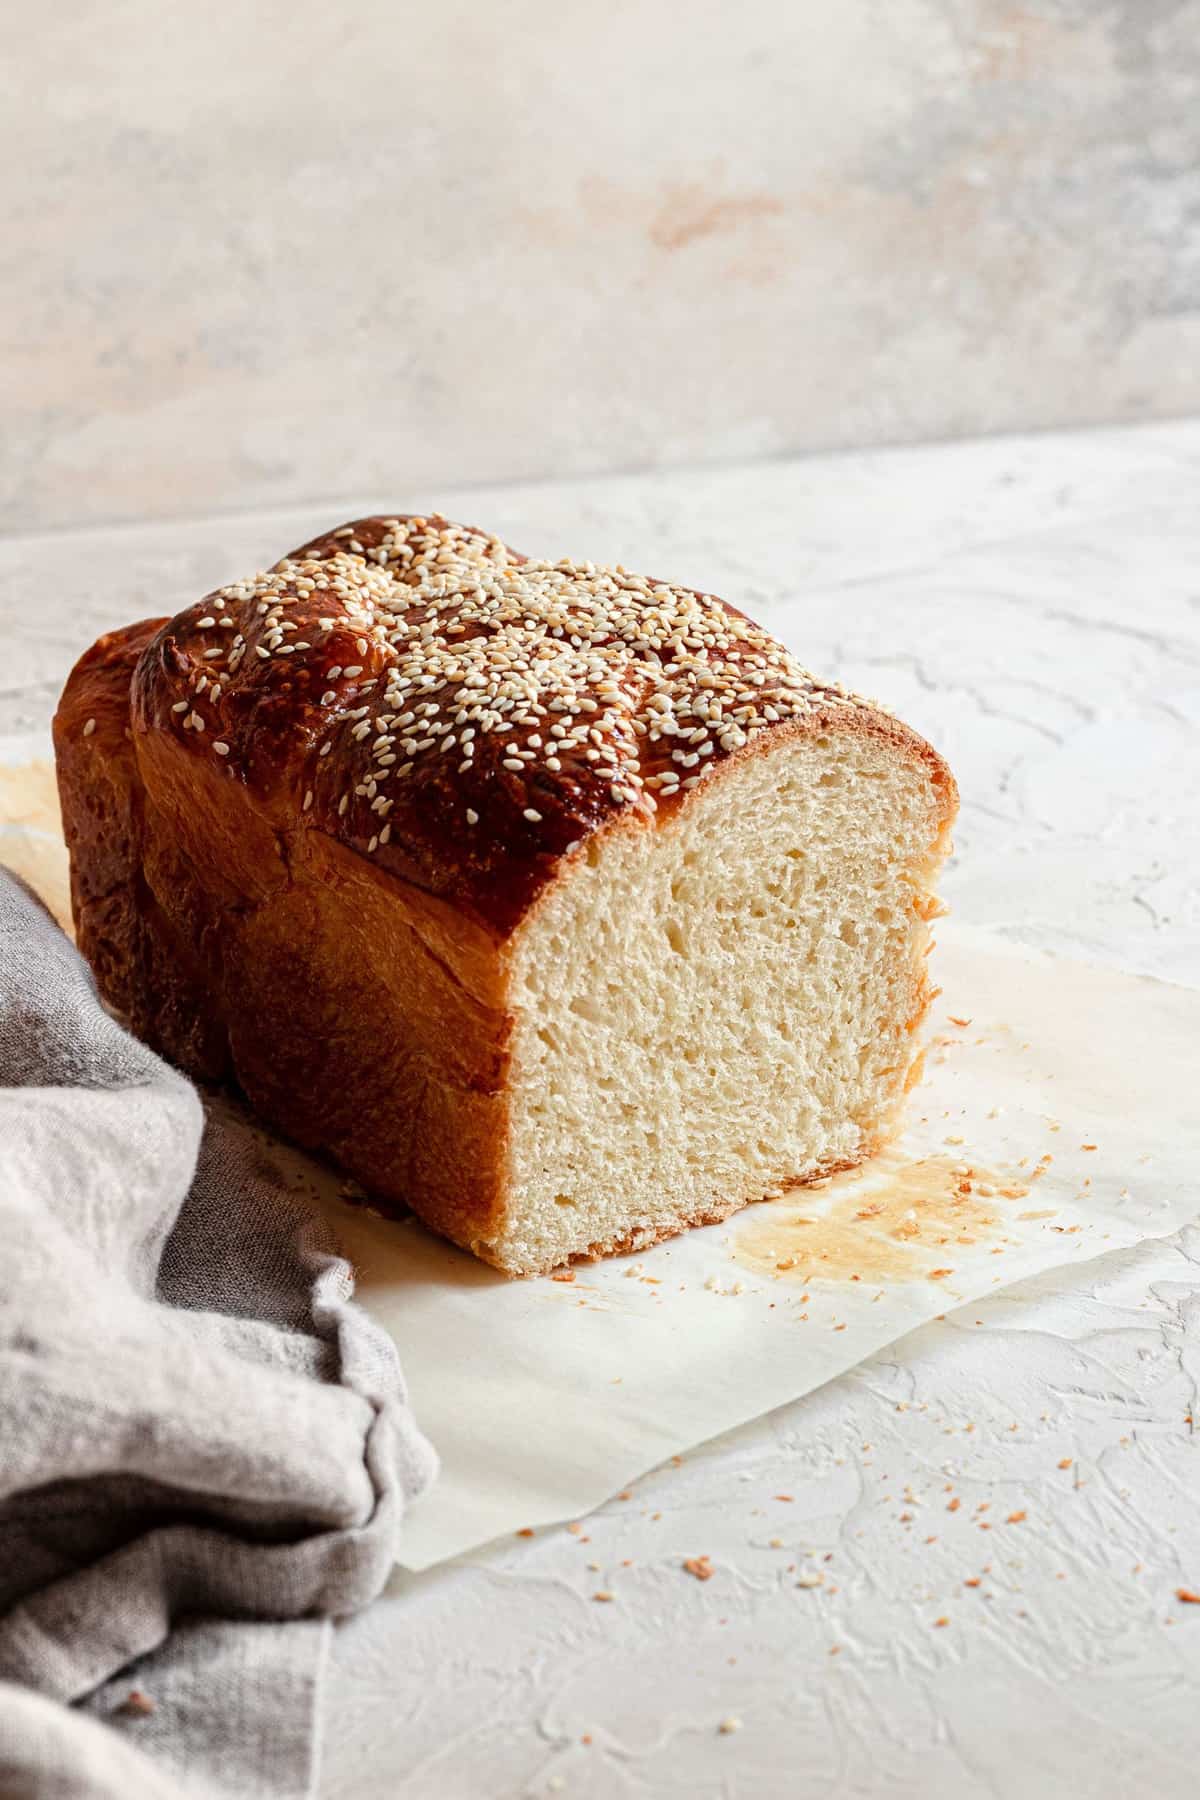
[[560, 905]]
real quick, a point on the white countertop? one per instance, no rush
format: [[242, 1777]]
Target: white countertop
[[1032, 605]]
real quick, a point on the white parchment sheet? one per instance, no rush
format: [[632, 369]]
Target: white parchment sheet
[[545, 1396]]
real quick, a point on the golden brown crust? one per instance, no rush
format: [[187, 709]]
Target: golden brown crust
[[356, 990], [358, 1016], [462, 716]]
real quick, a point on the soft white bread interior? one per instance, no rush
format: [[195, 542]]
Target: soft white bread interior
[[715, 1011]]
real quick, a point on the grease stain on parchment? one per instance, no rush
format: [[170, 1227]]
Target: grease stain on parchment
[[898, 1218]]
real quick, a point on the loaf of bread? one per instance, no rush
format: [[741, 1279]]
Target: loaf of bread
[[559, 905]]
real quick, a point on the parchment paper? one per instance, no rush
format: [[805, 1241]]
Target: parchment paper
[[544, 1397]]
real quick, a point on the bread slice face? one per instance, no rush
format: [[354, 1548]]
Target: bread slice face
[[560, 906], [721, 1009]]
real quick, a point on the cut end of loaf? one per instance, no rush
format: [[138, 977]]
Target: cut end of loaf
[[716, 1010]]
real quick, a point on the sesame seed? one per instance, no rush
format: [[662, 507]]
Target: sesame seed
[[221, 748], [571, 670], [472, 816], [90, 726]]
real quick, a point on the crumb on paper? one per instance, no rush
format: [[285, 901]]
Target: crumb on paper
[[972, 1581], [939, 1623], [939, 1274], [602, 1594], [1064, 1462], [525, 1531], [700, 1566], [729, 1725], [563, 1275], [1189, 1596], [810, 1578], [136, 1705]]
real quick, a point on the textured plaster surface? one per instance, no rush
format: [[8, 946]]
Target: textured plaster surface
[[1034, 606], [256, 254]]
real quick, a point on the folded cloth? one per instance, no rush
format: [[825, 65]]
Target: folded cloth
[[205, 1446]]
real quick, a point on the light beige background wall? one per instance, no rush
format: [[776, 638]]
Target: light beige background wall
[[261, 252]]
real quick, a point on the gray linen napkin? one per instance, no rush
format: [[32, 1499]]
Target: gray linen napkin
[[205, 1446]]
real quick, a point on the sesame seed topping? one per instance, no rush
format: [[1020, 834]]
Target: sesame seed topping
[[222, 749], [596, 687], [89, 727]]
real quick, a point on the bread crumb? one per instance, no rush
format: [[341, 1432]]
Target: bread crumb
[[525, 1531], [1065, 1462], [137, 1705], [700, 1566], [942, 1621], [1014, 1518], [1189, 1596], [729, 1725], [810, 1578], [563, 1275], [602, 1594]]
